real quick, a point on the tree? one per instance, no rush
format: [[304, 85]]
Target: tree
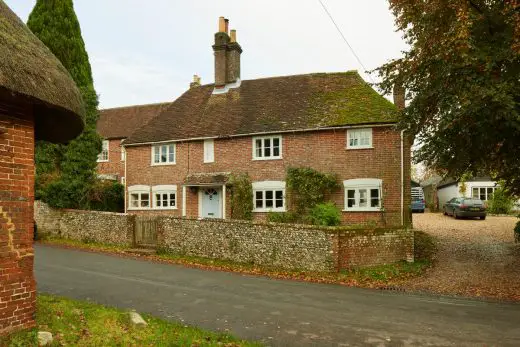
[[461, 74], [65, 174]]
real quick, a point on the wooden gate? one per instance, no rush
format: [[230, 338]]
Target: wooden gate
[[145, 232]]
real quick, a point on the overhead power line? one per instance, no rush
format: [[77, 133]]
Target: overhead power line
[[345, 39]]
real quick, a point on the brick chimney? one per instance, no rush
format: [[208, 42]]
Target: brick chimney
[[227, 55], [399, 98]]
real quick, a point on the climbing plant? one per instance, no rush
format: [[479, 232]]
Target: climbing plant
[[307, 187], [241, 197]]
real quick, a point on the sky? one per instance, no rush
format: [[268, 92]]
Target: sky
[[148, 51]]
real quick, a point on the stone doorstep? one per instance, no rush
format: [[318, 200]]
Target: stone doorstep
[[141, 251]]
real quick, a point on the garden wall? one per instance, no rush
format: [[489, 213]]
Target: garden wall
[[286, 246], [87, 226]]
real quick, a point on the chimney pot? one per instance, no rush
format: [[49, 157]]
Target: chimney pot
[[226, 21], [196, 81], [221, 24], [233, 35]]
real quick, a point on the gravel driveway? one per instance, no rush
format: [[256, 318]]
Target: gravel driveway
[[474, 258]]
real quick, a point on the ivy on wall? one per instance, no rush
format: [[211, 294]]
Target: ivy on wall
[[241, 197]]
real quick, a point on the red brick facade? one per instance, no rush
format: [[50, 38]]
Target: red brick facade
[[114, 166], [17, 285], [323, 150]]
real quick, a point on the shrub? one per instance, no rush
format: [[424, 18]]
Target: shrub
[[517, 231], [106, 196], [501, 202], [326, 214], [282, 217]]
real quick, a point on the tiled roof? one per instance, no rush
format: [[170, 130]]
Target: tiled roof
[[270, 105], [121, 122]]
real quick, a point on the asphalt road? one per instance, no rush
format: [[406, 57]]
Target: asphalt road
[[279, 313]]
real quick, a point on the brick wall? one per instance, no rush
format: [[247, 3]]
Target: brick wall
[[103, 227], [115, 166], [17, 285], [324, 151], [269, 244]]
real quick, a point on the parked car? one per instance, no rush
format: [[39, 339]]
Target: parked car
[[465, 207], [418, 203]]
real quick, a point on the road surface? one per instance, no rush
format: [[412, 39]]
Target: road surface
[[276, 312]]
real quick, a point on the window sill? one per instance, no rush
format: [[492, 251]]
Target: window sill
[[209, 162], [163, 208], [362, 210], [264, 210], [102, 161], [162, 164], [138, 208], [354, 148], [270, 158]]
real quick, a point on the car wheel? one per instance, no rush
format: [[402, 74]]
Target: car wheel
[[444, 212], [422, 211], [483, 217]]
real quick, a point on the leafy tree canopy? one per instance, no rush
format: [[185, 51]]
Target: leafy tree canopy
[[461, 75]]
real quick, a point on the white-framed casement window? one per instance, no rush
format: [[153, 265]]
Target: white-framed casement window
[[164, 197], [103, 156], [482, 193], [209, 151], [363, 194], [359, 138], [269, 196], [138, 197], [267, 147], [163, 154]]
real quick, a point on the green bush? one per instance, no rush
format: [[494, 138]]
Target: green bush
[[326, 214], [282, 217], [501, 202], [106, 196], [517, 231]]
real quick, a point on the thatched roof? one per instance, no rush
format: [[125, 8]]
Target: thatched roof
[[269, 105], [29, 72]]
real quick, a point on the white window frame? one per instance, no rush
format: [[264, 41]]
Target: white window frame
[[209, 151], [358, 185], [105, 149], [485, 189], [122, 180], [358, 135], [123, 151], [139, 189], [265, 186], [168, 147], [164, 189], [271, 138]]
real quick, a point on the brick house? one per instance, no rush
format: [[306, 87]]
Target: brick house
[[38, 99], [180, 162], [114, 125]]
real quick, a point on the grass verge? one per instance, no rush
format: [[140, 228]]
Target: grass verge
[[79, 323], [381, 276]]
